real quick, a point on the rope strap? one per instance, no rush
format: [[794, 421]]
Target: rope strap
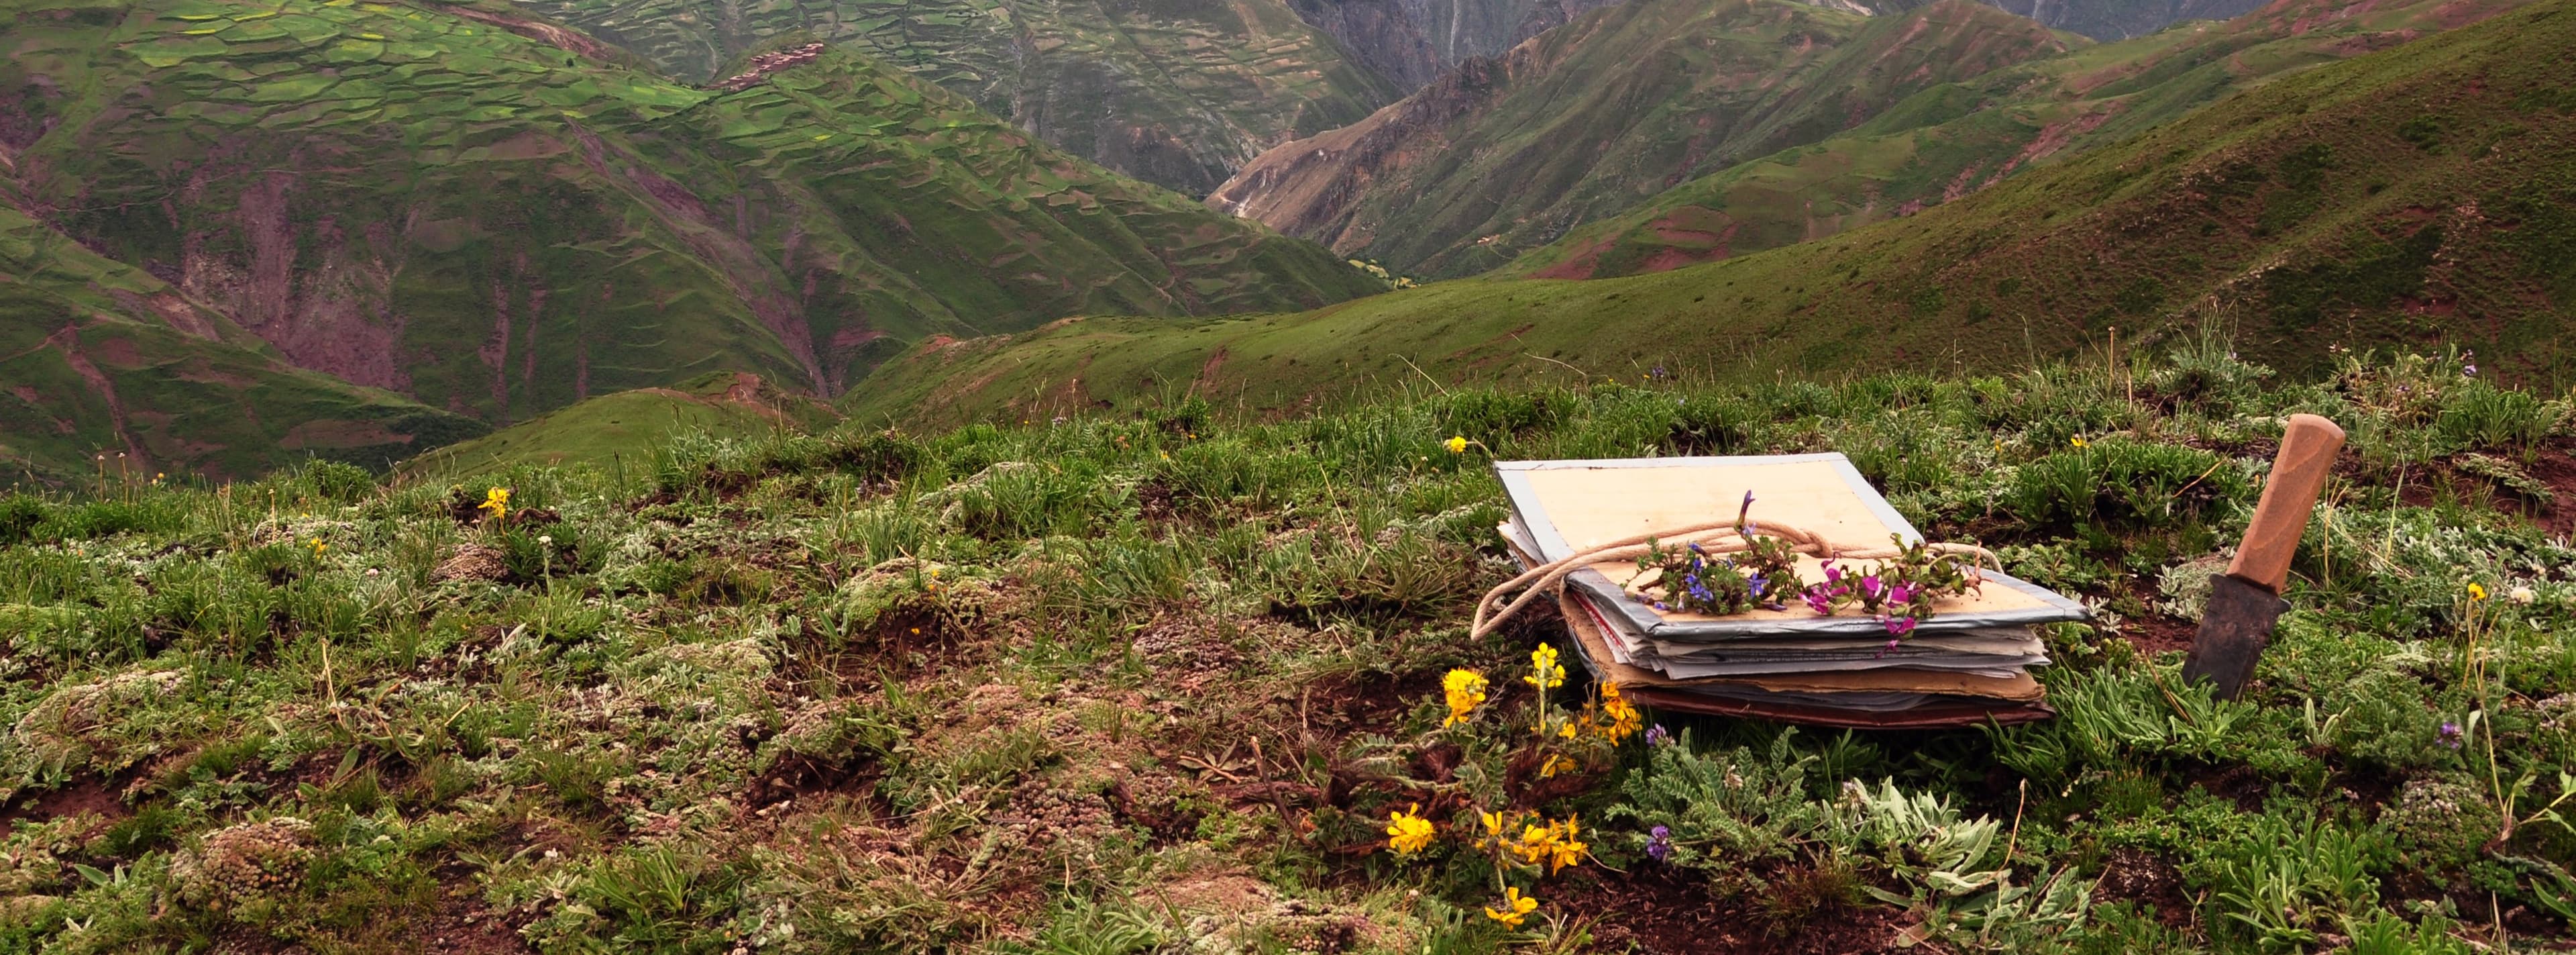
[[1546, 578]]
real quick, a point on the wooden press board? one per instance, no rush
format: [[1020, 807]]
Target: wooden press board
[[1568, 506]]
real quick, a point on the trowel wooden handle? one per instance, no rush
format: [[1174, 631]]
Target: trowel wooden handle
[[2308, 449]]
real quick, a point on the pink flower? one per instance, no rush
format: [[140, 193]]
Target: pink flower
[[1871, 588], [1899, 626], [1833, 574], [1901, 593], [1820, 599]]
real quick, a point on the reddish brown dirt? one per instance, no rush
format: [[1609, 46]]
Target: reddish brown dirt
[[2136, 875], [2156, 633], [91, 795], [462, 926], [1655, 911], [2556, 468]]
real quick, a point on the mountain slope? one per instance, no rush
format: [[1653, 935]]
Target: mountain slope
[[420, 198], [1178, 94], [2121, 19], [1412, 42], [2420, 195], [1951, 140], [1591, 118], [98, 358]]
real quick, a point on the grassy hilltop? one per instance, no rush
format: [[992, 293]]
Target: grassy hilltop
[[2413, 196], [1157, 683]]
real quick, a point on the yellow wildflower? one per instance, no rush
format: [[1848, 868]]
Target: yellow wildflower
[[1457, 444], [2476, 592], [1535, 842], [1465, 689], [497, 501], [1407, 833], [319, 546], [1624, 719], [1555, 764], [1565, 850], [1516, 907], [2079, 441], [1545, 672]]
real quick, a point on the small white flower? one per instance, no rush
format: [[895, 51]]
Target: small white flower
[[2520, 595], [546, 539], [372, 571]]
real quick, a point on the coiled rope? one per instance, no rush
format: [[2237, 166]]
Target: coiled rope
[[1725, 538]]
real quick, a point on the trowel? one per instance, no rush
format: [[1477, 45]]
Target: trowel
[[2245, 602]]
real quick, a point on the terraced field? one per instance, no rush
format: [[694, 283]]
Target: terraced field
[[492, 215], [1178, 94]]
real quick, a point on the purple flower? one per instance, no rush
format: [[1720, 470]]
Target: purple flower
[[1885, 650], [1901, 593], [2451, 734], [1656, 735], [2469, 370], [1659, 843], [1871, 588], [1899, 626], [1833, 574], [1819, 599]]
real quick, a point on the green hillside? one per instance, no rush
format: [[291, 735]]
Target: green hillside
[[621, 430], [1591, 118], [2417, 195], [105, 368], [1174, 93], [1954, 139], [444, 202]]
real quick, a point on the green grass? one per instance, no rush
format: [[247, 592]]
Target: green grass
[[1122, 682], [2294, 218]]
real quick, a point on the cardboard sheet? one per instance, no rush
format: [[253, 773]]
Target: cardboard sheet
[[1588, 632]]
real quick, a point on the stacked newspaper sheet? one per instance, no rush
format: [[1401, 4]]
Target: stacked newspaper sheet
[[1969, 663]]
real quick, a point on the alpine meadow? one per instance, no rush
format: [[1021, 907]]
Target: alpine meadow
[[1421, 477]]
